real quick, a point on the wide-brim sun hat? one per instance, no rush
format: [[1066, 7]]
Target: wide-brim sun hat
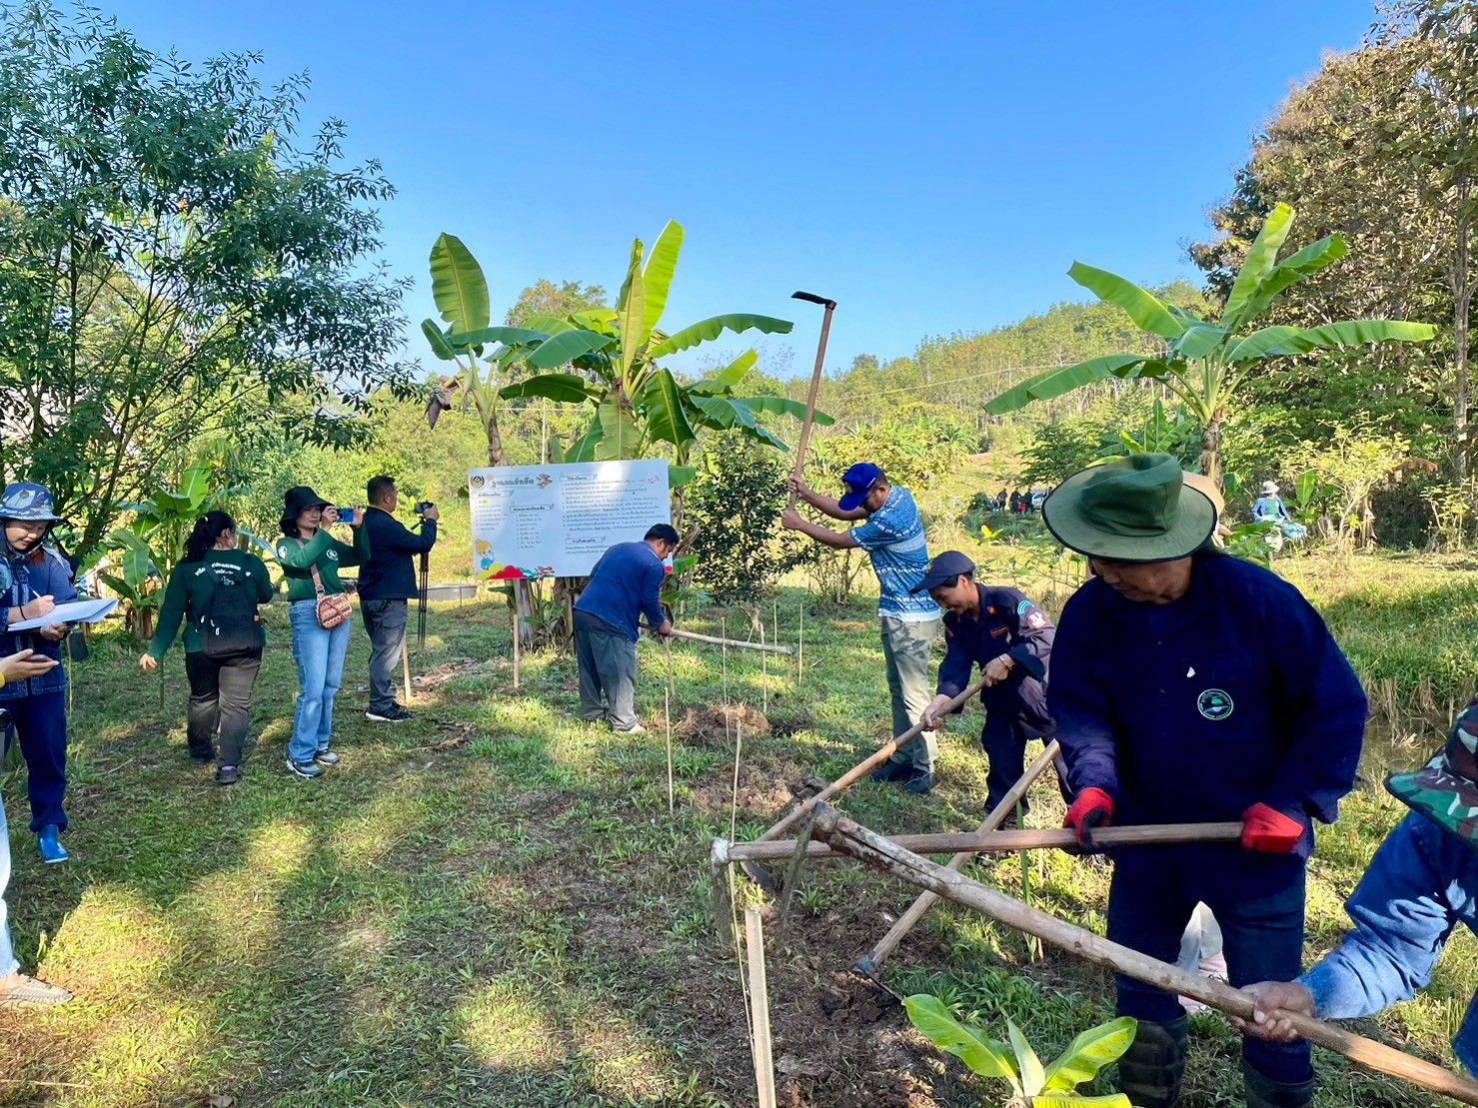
[[1270, 488], [1446, 791], [297, 499], [1137, 509], [28, 502]]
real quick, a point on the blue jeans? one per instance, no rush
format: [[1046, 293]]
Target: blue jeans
[[1154, 891], [40, 722], [8, 964], [320, 658]]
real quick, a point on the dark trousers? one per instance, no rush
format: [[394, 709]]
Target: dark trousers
[[607, 661], [385, 620], [220, 702], [40, 722], [1149, 902], [1010, 723]]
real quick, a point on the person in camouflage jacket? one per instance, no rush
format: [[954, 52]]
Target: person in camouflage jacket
[[1422, 882]]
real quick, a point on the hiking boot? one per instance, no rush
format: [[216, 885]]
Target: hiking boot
[[1263, 1092], [202, 757], [52, 851], [393, 714], [19, 990], [920, 783], [634, 729], [227, 775], [890, 773], [1150, 1071], [327, 758], [305, 770]]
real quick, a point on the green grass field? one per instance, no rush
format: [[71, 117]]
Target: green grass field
[[492, 906]]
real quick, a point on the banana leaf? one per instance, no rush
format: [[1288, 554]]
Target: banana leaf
[[620, 437], [783, 405], [984, 1056], [1273, 341], [562, 349], [661, 404], [1290, 271], [709, 329], [458, 286], [1145, 308], [631, 311], [1199, 340], [1055, 382], [1090, 1052], [508, 336], [564, 388], [1028, 1065], [726, 378], [657, 276], [1261, 257], [437, 340]]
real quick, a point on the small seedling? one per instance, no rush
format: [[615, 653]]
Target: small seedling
[[1032, 1084]]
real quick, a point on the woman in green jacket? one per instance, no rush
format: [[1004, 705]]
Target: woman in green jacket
[[311, 559], [215, 591]]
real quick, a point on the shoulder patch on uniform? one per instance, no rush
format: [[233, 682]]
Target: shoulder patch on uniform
[[1024, 607]]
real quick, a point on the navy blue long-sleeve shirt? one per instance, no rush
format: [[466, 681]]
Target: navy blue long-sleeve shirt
[[1233, 695], [385, 545], [45, 572], [1010, 624], [625, 583]]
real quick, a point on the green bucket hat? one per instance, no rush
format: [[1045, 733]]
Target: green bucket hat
[[1446, 792], [1137, 509]]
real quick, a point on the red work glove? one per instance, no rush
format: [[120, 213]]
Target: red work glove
[[1091, 809], [1269, 831]]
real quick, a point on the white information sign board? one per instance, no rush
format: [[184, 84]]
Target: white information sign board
[[557, 520]]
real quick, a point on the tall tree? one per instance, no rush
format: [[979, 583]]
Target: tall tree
[[545, 298], [168, 251]]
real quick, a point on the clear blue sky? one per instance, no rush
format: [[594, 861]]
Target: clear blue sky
[[933, 167]]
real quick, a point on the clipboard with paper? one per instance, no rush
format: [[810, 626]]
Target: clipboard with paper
[[79, 611]]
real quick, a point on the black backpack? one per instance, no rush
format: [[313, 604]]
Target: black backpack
[[229, 626]]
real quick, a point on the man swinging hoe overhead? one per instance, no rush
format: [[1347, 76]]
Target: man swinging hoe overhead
[[1191, 686]]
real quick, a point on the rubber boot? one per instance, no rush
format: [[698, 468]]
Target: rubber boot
[[1263, 1092], [1151, 1069]]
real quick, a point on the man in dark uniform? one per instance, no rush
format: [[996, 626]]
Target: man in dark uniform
[[1191, 686], [1010, 639]]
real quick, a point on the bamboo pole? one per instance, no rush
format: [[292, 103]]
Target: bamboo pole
[[800, 451], [1006, 842], [867, 846], [759, 1003], [517, 650], [861, 769], [405, 669], [874, 958], [667, 712], [694, 636]]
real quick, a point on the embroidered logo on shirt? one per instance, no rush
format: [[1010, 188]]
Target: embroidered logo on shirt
[[1215, 704]]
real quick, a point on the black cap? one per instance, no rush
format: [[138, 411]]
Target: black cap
[[945, 569]]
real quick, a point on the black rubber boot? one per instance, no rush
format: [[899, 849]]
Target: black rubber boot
[[1263, 1092], [1151, 1069]]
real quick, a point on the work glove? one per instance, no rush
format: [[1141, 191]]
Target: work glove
[[1269, 831], [1091, 809]]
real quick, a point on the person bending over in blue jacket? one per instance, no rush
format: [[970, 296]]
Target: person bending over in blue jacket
[[1422, 882], [1191, 686]]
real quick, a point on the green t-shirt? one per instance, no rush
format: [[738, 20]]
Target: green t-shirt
[[187, 596], [322, 550]]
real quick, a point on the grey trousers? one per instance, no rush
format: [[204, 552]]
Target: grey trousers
[[385, 620], [607, 661], [908, 649]]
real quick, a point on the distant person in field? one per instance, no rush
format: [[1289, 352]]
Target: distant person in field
[[387, 580], [319, 616], [1269, 507], [215, 591], [1422, 883], [16, 989], [624, 585], [998, 629], [891, 530], [36, 578], [1189, 686]]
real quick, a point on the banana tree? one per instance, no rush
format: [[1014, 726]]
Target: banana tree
[[1033, 1085], [635, 401], [1205, 363]]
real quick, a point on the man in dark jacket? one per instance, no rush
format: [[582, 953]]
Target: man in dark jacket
[[1190, 686], [625, 584], [1010, 639], [387, 579]]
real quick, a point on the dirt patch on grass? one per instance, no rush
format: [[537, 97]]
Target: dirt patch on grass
[[716, 725]]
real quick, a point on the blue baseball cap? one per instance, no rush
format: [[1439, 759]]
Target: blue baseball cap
[[946, 570], [859, 480]]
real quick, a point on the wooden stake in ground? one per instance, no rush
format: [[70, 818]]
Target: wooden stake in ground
[[800, 646], [667, 712], [764, 673], [861, 769], [869, 963], [405, 669], [759, 1004], [847, 837], [517, 650]]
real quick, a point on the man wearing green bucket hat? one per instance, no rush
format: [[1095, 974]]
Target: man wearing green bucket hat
[[1422, 882], [1191, 686]]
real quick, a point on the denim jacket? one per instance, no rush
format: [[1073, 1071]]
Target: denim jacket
[[1421, 884], [44, 573]]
